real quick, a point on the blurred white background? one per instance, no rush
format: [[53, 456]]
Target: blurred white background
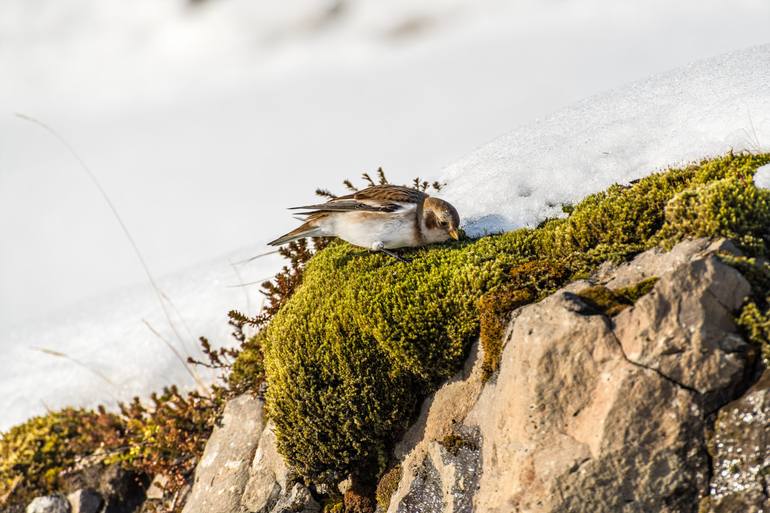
[[204, 120]]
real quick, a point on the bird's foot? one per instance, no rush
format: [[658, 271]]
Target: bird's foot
[[379, 246]]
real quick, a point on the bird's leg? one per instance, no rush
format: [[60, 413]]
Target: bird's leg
[[396, 256], [379, 246]]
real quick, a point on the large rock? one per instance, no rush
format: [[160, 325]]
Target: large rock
[[223, 470], [591, 413], [684, 329]]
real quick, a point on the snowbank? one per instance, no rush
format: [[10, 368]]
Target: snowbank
[[704, 109]]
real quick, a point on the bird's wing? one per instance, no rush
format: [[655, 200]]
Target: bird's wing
[[379, 198]]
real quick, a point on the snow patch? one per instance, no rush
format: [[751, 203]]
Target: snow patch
[[762, 177], [701, 110]]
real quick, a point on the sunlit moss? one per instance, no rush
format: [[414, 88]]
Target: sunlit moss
[[34, 454], [365, 338]]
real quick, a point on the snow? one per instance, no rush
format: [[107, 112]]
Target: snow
[[110, 346], [203, 124], [700, 110], [762, 177]]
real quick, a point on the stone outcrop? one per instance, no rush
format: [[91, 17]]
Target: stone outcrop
[[600, 414], [223, 470], [646, 410], [241, 470]]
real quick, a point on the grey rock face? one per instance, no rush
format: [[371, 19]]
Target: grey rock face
[[591, 413], [49, 504], [85, 501], [741, 453], [223, 470], [685, 330], [447, 477], [268, 475]]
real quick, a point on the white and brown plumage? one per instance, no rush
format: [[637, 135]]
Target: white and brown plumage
[[380, 218]]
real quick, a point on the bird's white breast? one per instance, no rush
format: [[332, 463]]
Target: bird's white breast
[[393, 229]]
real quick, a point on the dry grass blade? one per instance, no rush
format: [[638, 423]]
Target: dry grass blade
[[202, 388], [77, 362], [115, 213]]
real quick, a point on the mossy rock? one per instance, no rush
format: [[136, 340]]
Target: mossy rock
[[365, 338], [34, 454]]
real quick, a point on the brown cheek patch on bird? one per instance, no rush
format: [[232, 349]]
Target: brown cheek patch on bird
[[431, 221]]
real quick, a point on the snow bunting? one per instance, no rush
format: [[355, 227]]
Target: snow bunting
[[380, 218]]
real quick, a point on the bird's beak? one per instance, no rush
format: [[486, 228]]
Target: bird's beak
[[454, 234]]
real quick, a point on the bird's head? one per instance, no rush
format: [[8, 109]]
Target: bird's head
[[441, 220]]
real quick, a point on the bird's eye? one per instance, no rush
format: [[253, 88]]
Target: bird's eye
[[443, 224]]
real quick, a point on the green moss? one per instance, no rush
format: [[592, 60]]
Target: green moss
[[387, 486], [612, 302], [34, 454], [604, 300], [364, 338], [754, 316], [639, 289], [731, 208]]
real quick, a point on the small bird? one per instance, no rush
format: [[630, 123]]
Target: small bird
[[379, 218]]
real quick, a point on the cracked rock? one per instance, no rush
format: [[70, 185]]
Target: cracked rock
[[223, 470]]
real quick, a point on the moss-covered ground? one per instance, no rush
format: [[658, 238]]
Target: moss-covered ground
[[364, 338]]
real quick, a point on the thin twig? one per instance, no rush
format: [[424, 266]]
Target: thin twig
[[259, 282]]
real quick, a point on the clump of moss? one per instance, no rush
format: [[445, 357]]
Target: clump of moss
[[639, 289], [612, 302], [453, 442], [387, 486], [525, 283], [364, 339], [754, 316], [731, 207], [34, 454]]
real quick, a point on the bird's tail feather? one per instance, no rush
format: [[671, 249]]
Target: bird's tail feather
[[306, 230]]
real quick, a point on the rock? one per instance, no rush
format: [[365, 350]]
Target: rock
[[447, 477], [85, 501], [268, 475], [741, 453], [592, 413], [297, 500], [571, 425], [49, 504], [223, 470], [685, 329], [440, 417]]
